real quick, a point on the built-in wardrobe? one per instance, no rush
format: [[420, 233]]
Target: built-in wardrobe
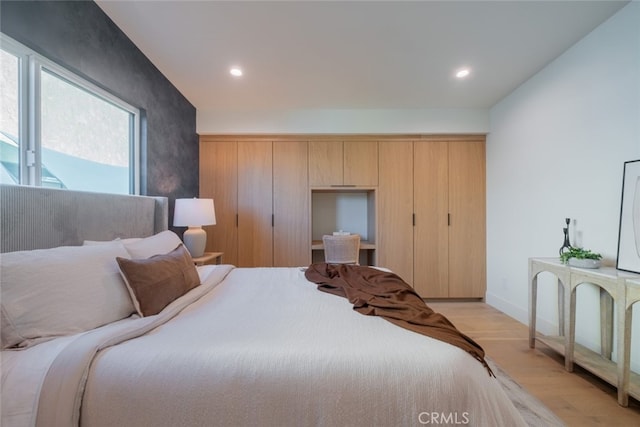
[[417, 201]]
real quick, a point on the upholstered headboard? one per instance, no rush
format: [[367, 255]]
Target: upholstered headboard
[[38, 218]]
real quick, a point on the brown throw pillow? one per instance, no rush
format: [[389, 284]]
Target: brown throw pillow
[[157, 281]]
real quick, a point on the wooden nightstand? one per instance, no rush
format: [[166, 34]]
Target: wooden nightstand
[[209, 258]]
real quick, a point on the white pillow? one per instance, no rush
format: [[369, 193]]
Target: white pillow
[[47, 293], [106, 242], [158, 244]]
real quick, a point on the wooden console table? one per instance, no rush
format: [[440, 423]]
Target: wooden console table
[[615, 286]]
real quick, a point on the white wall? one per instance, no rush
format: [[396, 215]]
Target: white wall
[[340, 211], [556, 149], [459, 121]]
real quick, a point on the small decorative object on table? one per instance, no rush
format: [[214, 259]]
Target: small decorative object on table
[[566, 245], [581, 258]]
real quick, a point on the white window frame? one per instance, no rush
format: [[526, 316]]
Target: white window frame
[[31, 65]]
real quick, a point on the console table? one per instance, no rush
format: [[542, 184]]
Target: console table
[[615, 286]]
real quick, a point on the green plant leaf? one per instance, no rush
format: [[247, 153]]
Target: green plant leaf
[[578, 253]]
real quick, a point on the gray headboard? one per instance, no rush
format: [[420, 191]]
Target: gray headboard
[[38, 218]]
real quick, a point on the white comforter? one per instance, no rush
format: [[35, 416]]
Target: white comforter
[[264, 347]]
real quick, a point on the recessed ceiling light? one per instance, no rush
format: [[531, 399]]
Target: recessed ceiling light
[[236, 71], [462, 73]]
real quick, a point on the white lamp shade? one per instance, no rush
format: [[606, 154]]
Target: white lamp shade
[[194, 213]]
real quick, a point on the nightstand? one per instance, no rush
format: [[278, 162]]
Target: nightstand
[[209, 258]]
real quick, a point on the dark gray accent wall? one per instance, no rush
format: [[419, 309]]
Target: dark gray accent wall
[[81, 37]]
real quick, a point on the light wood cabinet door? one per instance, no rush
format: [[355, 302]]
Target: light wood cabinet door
[[325, 163], [431, 204], [255, 204], [395, 214], [218, 180], [467, 206], [336, 162], [360, 163], [291, 234]]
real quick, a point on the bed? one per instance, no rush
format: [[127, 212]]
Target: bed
[[235, 347]]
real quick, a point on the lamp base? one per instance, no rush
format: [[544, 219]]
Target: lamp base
[[195, 240]]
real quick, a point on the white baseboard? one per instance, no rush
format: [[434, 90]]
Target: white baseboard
[[521, 314]]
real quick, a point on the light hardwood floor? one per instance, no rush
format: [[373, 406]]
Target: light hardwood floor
[[578, 398]]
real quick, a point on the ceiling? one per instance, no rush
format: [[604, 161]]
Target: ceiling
[[352, 54]]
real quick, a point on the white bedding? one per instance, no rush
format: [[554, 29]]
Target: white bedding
[[264, 347]]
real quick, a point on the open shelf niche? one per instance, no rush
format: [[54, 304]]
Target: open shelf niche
[[351, 210]]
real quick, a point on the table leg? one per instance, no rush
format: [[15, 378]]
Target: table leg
[[569, 328], [606, 324], [533, 296], [560, 308], [624, 345]]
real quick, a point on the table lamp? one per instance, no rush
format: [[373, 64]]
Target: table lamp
[[194, 213]]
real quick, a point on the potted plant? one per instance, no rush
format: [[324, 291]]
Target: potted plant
[[583, 258]]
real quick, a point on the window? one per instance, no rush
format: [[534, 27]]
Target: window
[[9, 120], [59, 130]]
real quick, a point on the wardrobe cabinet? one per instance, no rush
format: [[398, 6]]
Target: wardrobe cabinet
[[219, 180], [291, 205], [255, 204], [343, 163], [431, 232], [260, 192], [432, 215], [395, 204], [467, 230], [423, 198]]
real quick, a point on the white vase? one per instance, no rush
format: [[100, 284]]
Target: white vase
[[584, 263]]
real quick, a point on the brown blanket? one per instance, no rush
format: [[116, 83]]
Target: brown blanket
[[378, 293]]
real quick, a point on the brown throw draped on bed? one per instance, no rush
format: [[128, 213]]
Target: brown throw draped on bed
[[378, 293]]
